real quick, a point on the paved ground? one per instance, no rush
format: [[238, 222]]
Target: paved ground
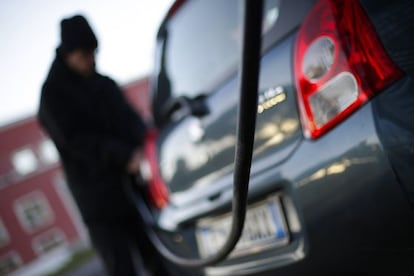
[[92, 267]]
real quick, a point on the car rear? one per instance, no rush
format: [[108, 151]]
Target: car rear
[[331, 183]]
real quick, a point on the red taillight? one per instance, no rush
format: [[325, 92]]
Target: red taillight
[[175, 7], [339, 64], [157, 190]]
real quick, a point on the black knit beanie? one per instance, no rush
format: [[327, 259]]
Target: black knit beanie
[[76, 34]]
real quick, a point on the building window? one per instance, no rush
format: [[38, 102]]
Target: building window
[[48, 241], [48, 153], [24, 161], [4, 235], [33, 211], [9, 263]]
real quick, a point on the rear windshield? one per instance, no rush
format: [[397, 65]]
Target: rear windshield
[[203, 45]]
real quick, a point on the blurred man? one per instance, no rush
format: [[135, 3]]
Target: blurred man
[[99, 138]]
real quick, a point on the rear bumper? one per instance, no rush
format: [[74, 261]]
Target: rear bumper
[[346, 206], [354, 214]]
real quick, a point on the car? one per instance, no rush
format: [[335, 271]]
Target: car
[[332, 177]]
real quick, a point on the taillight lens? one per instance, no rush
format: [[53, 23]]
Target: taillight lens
[[175, 7], [157, 190], [339, 64]]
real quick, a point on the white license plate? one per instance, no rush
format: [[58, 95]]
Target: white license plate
[[264, 227]]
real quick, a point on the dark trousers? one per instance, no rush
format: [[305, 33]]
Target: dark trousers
[[124, 248]]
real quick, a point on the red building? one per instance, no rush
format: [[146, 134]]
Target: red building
[[38, 217], [137, 93]]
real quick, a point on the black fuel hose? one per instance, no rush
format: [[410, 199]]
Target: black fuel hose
[[247, 110]]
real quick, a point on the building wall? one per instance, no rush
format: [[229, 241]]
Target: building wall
[[31, 176], [32, 211], [137, 93]]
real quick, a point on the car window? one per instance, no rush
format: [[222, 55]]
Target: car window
[[204, 43]]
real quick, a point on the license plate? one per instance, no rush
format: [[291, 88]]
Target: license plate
[[264, 227]]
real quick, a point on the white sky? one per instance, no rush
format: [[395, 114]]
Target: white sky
[[30, 33]]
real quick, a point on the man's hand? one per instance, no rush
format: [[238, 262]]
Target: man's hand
[[135, 161]]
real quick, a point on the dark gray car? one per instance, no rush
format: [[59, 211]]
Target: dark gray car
[[332, 179]]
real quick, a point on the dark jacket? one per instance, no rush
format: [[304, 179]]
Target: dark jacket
[[95, 132]]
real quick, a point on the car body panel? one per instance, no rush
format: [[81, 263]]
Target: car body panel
[[199, 162], [346, 195], [339, 199]]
